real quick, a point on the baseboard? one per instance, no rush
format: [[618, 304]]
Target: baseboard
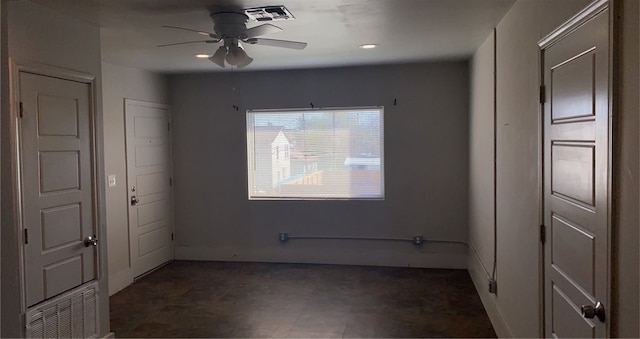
[[120, 280], [490, 301], [453, 256], [110, 335]]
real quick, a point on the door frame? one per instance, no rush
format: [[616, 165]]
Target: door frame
[[15, 68], [135, 102], [586, 14]]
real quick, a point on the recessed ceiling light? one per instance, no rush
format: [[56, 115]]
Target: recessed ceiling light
[[202, 56], [368, 46]]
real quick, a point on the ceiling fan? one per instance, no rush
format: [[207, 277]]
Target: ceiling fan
[[231, 29]]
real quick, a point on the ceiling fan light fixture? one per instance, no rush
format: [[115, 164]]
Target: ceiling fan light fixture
[[219, 56], [238, 57], [246, 62], [233, 55]]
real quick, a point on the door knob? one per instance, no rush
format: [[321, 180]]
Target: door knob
[[90, 240], [590, 311], [134, 200]]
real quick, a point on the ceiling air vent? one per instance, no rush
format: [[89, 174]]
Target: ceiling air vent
[[269, 13]]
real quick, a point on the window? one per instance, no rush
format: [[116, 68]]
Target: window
[[327, 154]]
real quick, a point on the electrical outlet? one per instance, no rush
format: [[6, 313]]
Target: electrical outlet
[[493, 286], [283, 237]]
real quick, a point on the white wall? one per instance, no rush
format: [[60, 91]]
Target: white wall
[[426, 159], [40, 35], [516, 307], [481, 155], [118, 83], [517, 157], [482, 178]]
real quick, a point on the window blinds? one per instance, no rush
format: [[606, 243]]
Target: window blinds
[[316, 154]]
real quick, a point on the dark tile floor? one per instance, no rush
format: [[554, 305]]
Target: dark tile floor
[[218, 299]]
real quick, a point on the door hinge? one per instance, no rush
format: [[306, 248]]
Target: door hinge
[[169, 126], [543, 234], [170, 182], [171, 236], [543, 94], [21, 110], [26, 236]]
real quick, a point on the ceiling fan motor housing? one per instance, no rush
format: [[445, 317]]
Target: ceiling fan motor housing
[[230, 24]]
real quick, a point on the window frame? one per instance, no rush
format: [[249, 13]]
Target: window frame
[[250, 123]]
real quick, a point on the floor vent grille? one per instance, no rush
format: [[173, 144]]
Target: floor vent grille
[[71, 315]]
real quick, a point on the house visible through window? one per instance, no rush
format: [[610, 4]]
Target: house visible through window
[[326, 154]]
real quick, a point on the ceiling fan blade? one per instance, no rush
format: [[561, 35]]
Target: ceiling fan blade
[[277, 43], [260, 30], [189, 42], [212, 35]]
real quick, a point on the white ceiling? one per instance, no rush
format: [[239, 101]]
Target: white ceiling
[[406, 30]]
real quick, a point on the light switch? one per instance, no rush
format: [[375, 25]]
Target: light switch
[[112, 180]]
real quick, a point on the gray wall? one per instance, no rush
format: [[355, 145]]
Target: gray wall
[[426, 159], [40, 35], [4, 110], [118, 83], [626, 277], [517, 171]]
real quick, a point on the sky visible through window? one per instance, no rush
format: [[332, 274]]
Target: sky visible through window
[[293, 120]]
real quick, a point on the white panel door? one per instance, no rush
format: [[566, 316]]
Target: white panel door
[[57, 191], [577, 180], [148, 141]]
